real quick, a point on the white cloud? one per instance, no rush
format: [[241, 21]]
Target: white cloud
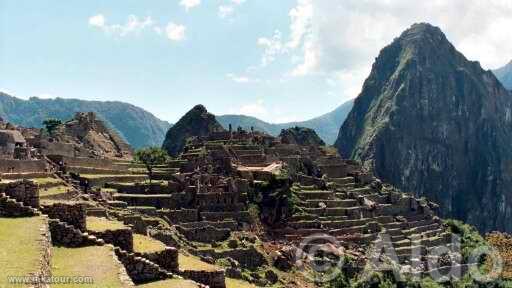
[[133, 25], [301, 17], [256, 109], [273, 47], [189, 4], [242, 78], [340, 39], [97, 20], [175, 32], [225, 11], [260, 110], [350, 33], [228, 10]]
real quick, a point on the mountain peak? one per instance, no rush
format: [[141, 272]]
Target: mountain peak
[[429, 120], [199, 108], [422, 29], [196, 122], [423, 35]]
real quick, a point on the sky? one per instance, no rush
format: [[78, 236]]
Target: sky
[[280, 61]]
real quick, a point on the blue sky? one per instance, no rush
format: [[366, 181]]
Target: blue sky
[[277, 60]]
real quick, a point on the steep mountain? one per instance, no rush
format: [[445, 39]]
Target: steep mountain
[[300, 136], [431, 122], [504, 74], [327, 125], [137, 126], [197, 122]]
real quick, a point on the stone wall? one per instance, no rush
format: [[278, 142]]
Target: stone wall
[[64, 235], [139, 269], [138, 223], [45, 256], [23, 191], [88, 162], [145, 188], [167, 258], [56, 148], [122, 238], [22, 166], [172, 201], [206, 234], [72, 214], [11, 208], [206, 200], [214, 279], [249, 258], [165, 236], [179, 216], [242, 216]]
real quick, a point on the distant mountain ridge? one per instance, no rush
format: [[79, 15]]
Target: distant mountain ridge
[[136, 125], [326, 126], [504, 74]]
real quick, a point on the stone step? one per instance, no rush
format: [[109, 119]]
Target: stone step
[[316, 195], [346, 223], [312, 217], [308, 188], [331, 203], [328, 211], [421, 229], [248, 152], [342, 181], [361, 191]]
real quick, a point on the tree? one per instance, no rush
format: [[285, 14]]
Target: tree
[[151, 157], [51, 125]]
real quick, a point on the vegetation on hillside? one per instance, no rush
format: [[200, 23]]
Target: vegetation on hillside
[[51, 124], [151, 157], [137, 126]]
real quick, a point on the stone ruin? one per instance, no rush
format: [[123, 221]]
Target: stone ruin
[[201, 203]]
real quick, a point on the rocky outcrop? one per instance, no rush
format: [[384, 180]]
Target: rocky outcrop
[[431, 122], [301, 136], [84, 136], [504, 74], [197, 122]]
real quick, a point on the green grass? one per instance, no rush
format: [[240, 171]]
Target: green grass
[[99, 176], [100, 224], [170, 283], [53, 191], [95, 261], [20, 248], [189, 262], [48, 180], [146, 244], [236, 283]]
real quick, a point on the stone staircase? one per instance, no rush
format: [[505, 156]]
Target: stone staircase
[[67, 235], [141, 269], [357, 214], [10, 207]]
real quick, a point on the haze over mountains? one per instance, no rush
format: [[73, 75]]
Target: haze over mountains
[[504, 74], [141, 128], [326, 126], [137, 126], [431, 122]]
